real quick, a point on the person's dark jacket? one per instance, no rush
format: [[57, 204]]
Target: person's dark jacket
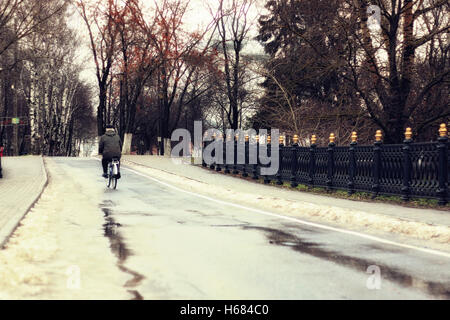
[[110, 145]]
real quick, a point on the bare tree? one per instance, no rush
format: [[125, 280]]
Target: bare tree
[[389, 59], [233, 26], [103, 36], [180, 53], [41, 82], [24, 17], [389, 86]]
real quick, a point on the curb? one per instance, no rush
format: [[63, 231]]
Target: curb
[[13, 223]]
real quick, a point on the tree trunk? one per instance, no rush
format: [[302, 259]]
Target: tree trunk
[[100, 112], [126, 149]]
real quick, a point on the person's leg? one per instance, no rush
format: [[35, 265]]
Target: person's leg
[[118, 169], [105, 165]]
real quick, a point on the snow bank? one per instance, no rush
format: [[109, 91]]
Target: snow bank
[[59, 251]]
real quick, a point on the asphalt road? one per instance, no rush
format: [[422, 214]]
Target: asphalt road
[[176, 245]]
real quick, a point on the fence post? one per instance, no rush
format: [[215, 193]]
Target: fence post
[[1, 156], [269, 153], [235, 170], [255, 166], [312, 160], [225, 155], [279, 176], [294, 167], [443, 164], [352, 164], [205, 144], [407, 165], [220, 142], [246, 156], [330, 172], [213, 153], [377, 163]]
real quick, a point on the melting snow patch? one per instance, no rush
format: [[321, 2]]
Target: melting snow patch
[[59, 251]]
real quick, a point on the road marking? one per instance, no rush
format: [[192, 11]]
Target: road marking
[[296, 220]]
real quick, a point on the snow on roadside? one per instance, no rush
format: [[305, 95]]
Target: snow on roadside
[[59, 251], [352, 219]]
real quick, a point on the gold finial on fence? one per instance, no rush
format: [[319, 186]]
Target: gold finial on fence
[[408, 134], [257, 138], [214, 136], [295, 139], [247, 138], [281, 140], [443, 130], [236, 137], [332, 138], [379, 136], [269, 139], [313, 139], [354, 137]]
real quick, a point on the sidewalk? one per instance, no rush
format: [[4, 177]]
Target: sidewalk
[[423, 224], [24, 179]]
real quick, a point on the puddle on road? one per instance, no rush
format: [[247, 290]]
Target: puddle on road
[[120, 250], [281, 238], [117, 245]]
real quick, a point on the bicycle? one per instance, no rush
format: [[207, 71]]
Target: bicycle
[[113, 172]]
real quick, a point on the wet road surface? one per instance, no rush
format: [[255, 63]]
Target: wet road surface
[[175, 245]]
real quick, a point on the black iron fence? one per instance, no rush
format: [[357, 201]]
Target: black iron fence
[[1, 155], [409, 170]]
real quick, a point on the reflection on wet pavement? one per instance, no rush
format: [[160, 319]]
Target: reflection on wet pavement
[[277, 237], [120, 250]]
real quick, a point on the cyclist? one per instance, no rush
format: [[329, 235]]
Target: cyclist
[[110, 146]]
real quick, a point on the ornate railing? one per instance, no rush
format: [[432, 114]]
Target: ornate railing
[[1, 155], [409, 170]]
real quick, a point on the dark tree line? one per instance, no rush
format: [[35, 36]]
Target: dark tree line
[[329, 66], [344, 65]]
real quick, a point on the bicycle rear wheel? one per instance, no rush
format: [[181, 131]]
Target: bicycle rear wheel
[[109, 180], [114, 182]]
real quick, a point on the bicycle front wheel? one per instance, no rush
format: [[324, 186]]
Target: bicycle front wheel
[[109, 181]]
